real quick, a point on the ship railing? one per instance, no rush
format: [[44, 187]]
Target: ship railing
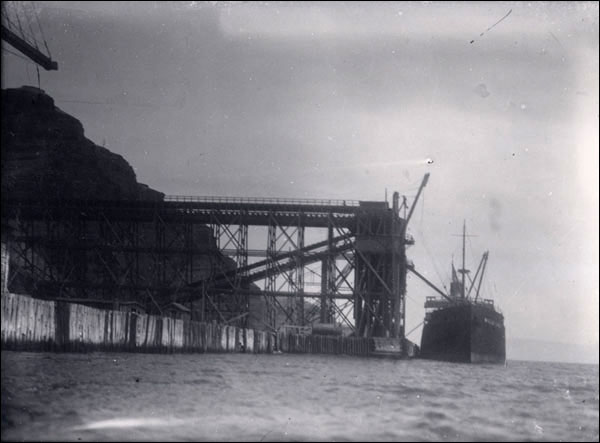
[[437, 302], [262, 200], [490, 303]]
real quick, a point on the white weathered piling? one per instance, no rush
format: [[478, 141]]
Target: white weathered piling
[[34, 324]]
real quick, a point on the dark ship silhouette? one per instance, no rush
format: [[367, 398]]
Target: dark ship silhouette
[[461, 327]]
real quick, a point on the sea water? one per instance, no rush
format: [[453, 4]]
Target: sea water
[[120, 396]]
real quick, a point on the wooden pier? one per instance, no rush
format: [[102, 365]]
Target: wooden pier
[[39, 325]]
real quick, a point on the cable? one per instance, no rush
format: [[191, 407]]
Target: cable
[[413, 300], [432, 260], [422, 206], [20, 27], [425, 243], [16, 55], [413, 329], [31, 40], [41, 29], [32, 33], [10, 23]]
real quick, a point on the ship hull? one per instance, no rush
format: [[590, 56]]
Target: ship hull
[[466, 333]]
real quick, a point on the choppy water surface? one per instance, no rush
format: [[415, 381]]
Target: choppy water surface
[[102, 396]]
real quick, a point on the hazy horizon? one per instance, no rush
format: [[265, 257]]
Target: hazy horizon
[[518, 349], [353, 100]]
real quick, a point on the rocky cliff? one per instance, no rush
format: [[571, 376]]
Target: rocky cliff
[[45, 155]]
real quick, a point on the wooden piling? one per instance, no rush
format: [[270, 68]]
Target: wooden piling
[[34, 324]]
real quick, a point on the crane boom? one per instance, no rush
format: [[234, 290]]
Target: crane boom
[[33, 53], [414, 204], [476, 275], [482, 271], [431, 285]]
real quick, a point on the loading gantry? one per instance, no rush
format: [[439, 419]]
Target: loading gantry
[[295, 262]]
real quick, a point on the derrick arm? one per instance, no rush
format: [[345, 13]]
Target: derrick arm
[[431, 285], [414, 204], [485, 256], [476, 274]]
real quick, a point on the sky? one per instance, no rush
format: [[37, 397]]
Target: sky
[[498, 101]]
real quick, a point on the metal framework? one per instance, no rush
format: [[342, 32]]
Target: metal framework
[[195, 251]]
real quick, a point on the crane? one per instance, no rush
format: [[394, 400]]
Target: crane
[[19, 42]]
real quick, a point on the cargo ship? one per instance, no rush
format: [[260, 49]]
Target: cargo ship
[[461, 327]]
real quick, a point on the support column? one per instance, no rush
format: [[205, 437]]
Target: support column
[[243, 299], [327, 279], [271, 275], [396, 301], [299, 308]]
